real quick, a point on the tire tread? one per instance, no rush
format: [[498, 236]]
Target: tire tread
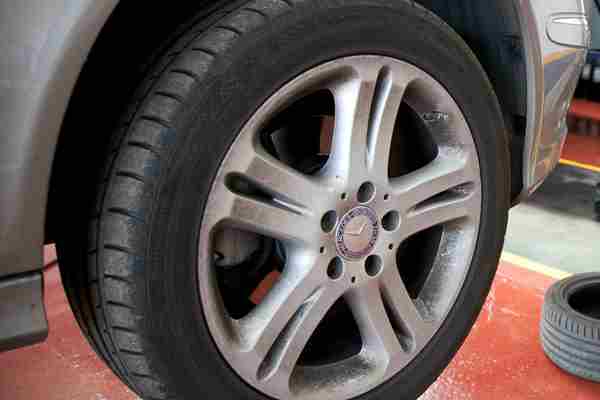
[[569, 339], [102, 304]]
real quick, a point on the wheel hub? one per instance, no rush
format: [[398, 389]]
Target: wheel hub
[[357, 233]]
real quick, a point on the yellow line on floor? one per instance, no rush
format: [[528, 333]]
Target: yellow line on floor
[[579, 165], [534, 266]]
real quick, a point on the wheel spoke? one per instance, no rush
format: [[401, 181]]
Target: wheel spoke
[[281, 325], [271, 219], [403, 309], [270, 198], [437, 213], [354, 96], [439, 176], [286, 185], [377, 332], [389, 91]]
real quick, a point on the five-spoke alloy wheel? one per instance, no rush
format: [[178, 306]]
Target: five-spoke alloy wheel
[[341, 227]]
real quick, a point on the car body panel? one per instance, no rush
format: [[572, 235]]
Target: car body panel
[[43, 46], [553, 71], [22, 315]]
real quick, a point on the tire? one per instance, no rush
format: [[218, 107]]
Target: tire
[[570, 327], [596, 200], [137, 295]]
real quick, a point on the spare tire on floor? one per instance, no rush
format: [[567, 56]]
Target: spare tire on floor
[[570, 326]]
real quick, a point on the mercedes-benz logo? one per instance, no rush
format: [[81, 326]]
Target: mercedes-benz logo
[[357, 233], [355, 224]]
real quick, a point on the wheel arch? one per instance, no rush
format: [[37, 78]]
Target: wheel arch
[[43, 47], [494, 32], [494, 36]]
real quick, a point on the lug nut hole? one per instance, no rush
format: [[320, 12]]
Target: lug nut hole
[[366, 192], [390, 221], [335, 268], [373, 265], [328, 221]]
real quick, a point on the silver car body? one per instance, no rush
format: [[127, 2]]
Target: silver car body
[[552, 71], [43, 48]]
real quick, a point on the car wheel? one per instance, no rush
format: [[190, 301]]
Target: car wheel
[[308, 202]]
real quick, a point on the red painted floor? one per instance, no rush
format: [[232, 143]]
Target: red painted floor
[[585, 109], [501, 359], [582, 149]]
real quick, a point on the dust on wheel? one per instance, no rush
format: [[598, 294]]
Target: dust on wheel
[[570, 327]]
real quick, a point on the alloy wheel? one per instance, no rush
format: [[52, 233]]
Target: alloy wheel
[[339, 231]]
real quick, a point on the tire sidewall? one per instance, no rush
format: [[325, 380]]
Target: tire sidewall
[[252, 69]]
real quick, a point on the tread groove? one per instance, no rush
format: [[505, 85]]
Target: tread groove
[[116, 247], [206, 51], [124, 212], [564, 332], [158, 120], [120, 304], [128, 174], [554, 336], [569, 358], [230, 29], [169, 95], [145, 146], [125, 329], [118, 278], [186, 73], [256, 11], [130, 352]]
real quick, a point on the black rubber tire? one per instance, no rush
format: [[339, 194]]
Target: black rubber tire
[[570, 325], [596, 200], [135, 296]]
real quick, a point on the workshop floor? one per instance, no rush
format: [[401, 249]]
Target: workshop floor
[[555, 231], [501, 359], [558, 225]]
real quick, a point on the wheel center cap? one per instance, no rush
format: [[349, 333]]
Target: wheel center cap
[[357, 233]]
